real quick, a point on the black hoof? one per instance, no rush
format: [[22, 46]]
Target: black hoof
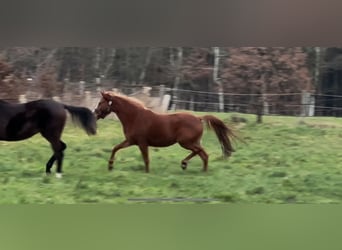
[[110, 168], [184, 166]]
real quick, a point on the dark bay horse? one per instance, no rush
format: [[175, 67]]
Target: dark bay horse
[[47, 117], [143, 127]]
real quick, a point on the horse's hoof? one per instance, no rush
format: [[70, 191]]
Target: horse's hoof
[[184, 166], [59, 175], [110, 168]]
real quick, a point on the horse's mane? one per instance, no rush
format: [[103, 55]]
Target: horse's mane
[[130, 99]]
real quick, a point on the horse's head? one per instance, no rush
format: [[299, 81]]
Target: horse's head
[[104, 106]]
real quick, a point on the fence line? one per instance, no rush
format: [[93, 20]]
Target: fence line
[[304, 104], [230, 94], [245, 94]]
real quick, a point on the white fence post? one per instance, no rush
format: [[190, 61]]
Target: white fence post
[[312, 105], [308, 104], [161, 93]]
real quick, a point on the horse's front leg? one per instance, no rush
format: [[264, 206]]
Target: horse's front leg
[[144, 151], [123, 144]]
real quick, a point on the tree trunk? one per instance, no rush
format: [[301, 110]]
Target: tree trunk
[[261, 99], [216, 79], [178, 66], [146, 63], [318, 52], [111, 62], [97, 61], [172, 58], [128, 64], [47, 63], [259, 111]]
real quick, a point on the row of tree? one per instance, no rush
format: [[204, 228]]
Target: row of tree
[[150, 65], [249, 70]]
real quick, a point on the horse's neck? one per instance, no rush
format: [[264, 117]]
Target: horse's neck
[[126, 112]]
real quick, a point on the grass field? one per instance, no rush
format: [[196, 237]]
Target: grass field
[[284, 160]]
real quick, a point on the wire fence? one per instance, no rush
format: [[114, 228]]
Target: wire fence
[[293, 104]]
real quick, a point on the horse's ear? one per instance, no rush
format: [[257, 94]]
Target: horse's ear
[[105, 95]]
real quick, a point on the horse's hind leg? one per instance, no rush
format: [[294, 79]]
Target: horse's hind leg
[[196, 148], [53, 135], [184, 163], [58, 148], [49, 164], [51, 129], [204, 156], [144, 152], [53, 158]]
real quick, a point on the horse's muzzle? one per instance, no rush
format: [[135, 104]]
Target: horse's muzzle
[[97, 115]]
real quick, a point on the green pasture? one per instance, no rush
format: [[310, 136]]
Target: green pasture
[[283, 160]]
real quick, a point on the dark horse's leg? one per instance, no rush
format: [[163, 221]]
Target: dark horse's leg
[[58, 147], [49, 164], [59, 154], [122, 145], [51, 130], [53, 159], [144, 151]]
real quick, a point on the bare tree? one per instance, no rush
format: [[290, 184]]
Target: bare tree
[[178, 73], [110, 62], [145, 65], [216, 78]]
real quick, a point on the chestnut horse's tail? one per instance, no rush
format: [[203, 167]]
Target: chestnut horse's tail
[[223, 133], [83, 117]]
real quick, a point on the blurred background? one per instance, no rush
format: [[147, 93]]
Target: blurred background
[[304, 81]]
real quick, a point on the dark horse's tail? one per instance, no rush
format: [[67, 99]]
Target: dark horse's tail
[[223, 133], [83, 117]]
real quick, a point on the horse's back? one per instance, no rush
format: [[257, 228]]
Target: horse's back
[[45, 104], [21, 121], [181, 120]]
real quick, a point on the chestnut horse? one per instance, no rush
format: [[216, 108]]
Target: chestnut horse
[[143, 127], [47, 117]]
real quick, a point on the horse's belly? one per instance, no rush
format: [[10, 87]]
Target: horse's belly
[[161, 144], [161, 141], [23, 133], [2, 132]]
